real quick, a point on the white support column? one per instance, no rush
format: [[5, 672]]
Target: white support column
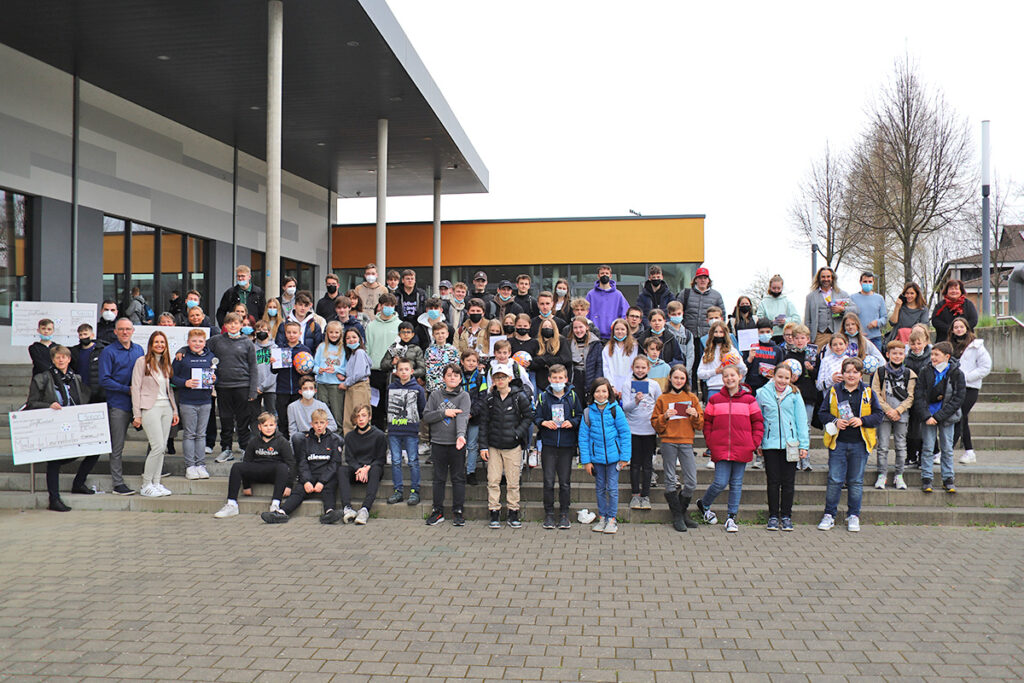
[[275, 60], [382, 197], [437, 236]]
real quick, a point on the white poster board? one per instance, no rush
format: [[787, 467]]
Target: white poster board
[[177, 337], [747, 339], [66, 317], [47, 434]]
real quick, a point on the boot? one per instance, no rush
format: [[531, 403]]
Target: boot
[[684, 503], [672, 498]]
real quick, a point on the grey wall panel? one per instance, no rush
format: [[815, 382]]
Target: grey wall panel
[[222, 272], [90, 256], [51, 250]]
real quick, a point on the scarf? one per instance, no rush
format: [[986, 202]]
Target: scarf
[[895, 383], [954, 306], [64, 387]]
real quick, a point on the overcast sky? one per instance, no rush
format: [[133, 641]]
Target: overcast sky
[[593, 108]]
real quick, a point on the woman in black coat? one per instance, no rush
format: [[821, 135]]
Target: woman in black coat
[[953, 305]]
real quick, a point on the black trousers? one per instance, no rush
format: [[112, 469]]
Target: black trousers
[[329, 496], [781, 476], [447, 457], [557, 461], [283, 401], [53, 473], [963, 427], [276, 473], [347, 477], [234, 416], [211, 425], [641, 464], [379, 380]]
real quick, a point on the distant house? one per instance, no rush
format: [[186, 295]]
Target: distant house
[[1004, 259]]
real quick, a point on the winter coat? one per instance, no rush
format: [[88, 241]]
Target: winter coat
[[733, 425], [772, 307], [43, 392], [505, 422], [942, 318], [949, 393], [679, 430], [604, 436], [255, 301], [975, 363], [671, 353], [527, 303], [785, 420], [572, 410], [406, 403], [318, 457], [591, 366], [695, 308], [476, 386], [654, 298], [287, 378], [86, 363], [136, 310], [605, 306], [411, 351]]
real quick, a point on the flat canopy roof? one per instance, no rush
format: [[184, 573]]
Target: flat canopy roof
[[204, 64]]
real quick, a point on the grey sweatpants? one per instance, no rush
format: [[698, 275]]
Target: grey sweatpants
[[899, 434], [671, 453]]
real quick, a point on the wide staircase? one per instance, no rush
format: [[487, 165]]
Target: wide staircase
[[990, 492]]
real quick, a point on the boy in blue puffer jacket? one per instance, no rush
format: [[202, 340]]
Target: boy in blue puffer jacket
[[605, 448]]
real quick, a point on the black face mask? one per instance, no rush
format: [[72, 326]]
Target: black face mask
[[86, 342], [476, 317], [744, 309], [775, 294], [509, 329], [331, 289], [547, 333], [604, 279], [959, 337], [523, 331], [718, 340], [262, 335]]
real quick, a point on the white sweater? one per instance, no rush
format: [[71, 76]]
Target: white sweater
[[707, 371], [975, 363]]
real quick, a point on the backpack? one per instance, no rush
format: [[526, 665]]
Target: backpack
[[586, 414], [570, 394]]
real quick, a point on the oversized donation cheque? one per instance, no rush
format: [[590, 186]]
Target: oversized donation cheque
[[71, 432]]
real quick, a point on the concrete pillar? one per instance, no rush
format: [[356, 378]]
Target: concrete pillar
[[437, 236], [382, 198], [275, 61], [75, 107]]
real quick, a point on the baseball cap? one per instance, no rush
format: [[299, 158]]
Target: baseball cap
[[445, 283], [702, 271], [504, 283], [480, 275], [502, 369]]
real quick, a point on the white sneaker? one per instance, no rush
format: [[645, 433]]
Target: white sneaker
[[387, 458], [531, 461], [230, 509], [880, 483], [209, 450], [203, 472], [852, 523], [731, 526], [611, 527], [710, 465], [348, 515], [191, 473], [968, 457], [363, 516], [758, 462], [827, 522], [599, 527], [164, 491], [424, 448], [150, 491], [899, 483]]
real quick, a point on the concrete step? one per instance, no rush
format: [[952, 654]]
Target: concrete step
[[997, 386]]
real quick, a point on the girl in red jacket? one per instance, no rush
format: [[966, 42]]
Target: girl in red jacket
[[733, 427]]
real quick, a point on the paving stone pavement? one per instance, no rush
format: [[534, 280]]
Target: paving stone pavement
[[145, 596]]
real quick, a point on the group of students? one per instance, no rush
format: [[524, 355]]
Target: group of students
[[511, 381]]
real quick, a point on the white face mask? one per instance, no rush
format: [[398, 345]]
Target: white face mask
[[308, 394], [290, 291], [109, 316], [371, 279]]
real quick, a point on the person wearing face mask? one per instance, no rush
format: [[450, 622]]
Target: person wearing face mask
[[871, 309], [655, 292], [742, 317], [521, 340], [719, 353], [545, 311], [656, 328], [778, 308], [562, 301], [289, 288], [825, 306], [426, 321], [762, 358], [504, 301], [976, 364], [266, 382], [300, 413], [685, 340], [356, 383], [184, 319], [370, 289], [381, 333], [85, 361], [39, 351], [325, 305], [312, 325], [472, 332], [244, 291], [237, 381], [551, 350], [105, 326], [557, 418], [606, 302], [454, 308]]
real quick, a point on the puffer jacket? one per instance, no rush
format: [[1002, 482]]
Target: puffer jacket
[[505, 422], [695, 308], [604, 436], [784, 420], [733, 425], [926, 393], [975, 363]]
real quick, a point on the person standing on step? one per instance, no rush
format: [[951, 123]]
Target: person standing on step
[[39, 351], [655, 292], [954, 305], [938, 400], [244, 291], [85, 361], [870, 309], [237, 380], [370, 290], [607, 304], [117, 361], [638, 399], [474, 383], [558, 416], [976, 364], [786, 439], [154, 409], [406, 402], [778, 308], [325, 305], [825, 307], [317, 459], [447, 414], [194, 374], [108, 319], [504, 433], [894, 385], [919, 355], [677, 417], [605, 449]]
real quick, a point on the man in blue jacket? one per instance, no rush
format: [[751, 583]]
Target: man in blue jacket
[[117, 361]]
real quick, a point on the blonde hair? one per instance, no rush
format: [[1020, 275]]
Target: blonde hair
[[196, 332], [920, 331], [339, 346], [726, 346], [801, 329], [275, 322], [549, 346], [318, 414]]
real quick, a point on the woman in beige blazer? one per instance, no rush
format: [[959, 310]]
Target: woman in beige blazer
[[154, 409]]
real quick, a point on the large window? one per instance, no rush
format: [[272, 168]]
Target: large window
[[15, 219], [301, 271]]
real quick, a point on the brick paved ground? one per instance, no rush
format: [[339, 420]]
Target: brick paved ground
[[186, 597]]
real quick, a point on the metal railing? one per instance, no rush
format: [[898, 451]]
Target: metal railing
[[1011, 317]]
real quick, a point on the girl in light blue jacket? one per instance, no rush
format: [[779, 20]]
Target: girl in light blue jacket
[[785, 440], [605, 448]]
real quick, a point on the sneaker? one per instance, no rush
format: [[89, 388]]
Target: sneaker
[[277, 516], [611, 526], [435, 518], [827, 522], [424, 448], [968, 457], [202, 471], [531, 460], [191, 472], [208, 450], [926, 485], [787, 524], [458, 519], [805, 465], [123, 490], [758, 462], [513, 519], [348, 514], [549, 520], [230, 509], [773, 524], [275, 506], [710, 465], [363, 516], [898, 482], [83, 489], [599, 527], [654, 480], [645, 503], [852, 523], [731, 526], [149, 491], [331, 517], [163, 490], [563, 521], [225, 456], [396, 497], [709, 516], [880, 482], [58, 505], [634, 502], [414, 497], [949, 486], [471, 479], [495, 522]]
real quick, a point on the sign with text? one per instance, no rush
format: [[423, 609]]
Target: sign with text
[[177, 337], [66, 317], [71, 432]]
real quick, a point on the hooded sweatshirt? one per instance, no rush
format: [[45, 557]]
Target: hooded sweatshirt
[[318, 457], [380, 334], [605, 306], [446, 430], [182, 370], [273, 449], [236, 368]]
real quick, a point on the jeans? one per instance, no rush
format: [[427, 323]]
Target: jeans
[[898, 430], [347, 476], [963, 427], [846, 463], [781, 476], [640, 464], [681, 453], [557, 461], [411, 445], [234, 416], [472, 447], [194, 419], [447, 459], [606, 481], [119, 421], [877, 341], [156, 423], [944, 433], [727, 473]]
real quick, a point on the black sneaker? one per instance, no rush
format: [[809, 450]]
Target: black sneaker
[[458, 519], [949, 485], [331, 517], [471, 479], [170, 448], [549, 520], [563, 521], [58, 505], [396, 497], [495, 522], [414, 497], [123, 490], [926, 485], [82, 489], [435, 518], [513, 519], [274, 517]]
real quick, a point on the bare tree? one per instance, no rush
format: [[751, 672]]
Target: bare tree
[[912, 173], [821, 214], [757, 288]]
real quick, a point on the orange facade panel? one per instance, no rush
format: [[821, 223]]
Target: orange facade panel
[[494, 243]]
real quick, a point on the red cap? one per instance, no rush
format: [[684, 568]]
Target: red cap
[[703, 271]]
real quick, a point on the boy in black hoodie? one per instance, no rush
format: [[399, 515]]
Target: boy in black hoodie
[[317, 456], [85, 361], [267, 459], [366, 450]]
